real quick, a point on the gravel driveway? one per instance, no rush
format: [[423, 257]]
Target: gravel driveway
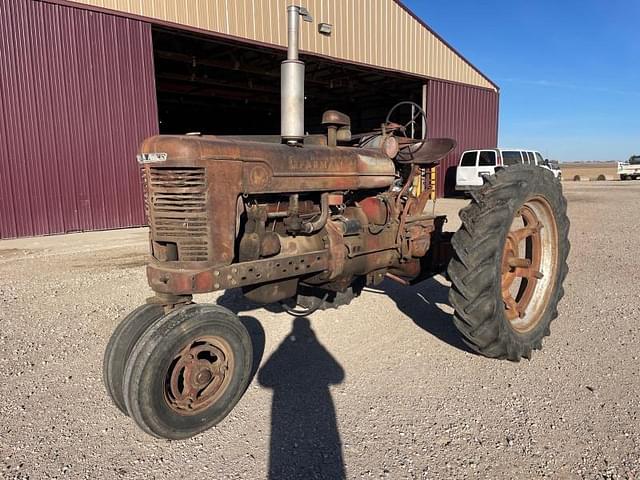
[[389, 391]]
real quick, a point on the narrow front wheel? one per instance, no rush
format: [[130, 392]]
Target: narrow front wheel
[[120, 345], [188, 371]]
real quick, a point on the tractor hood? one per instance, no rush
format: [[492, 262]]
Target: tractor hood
[[265, 167]]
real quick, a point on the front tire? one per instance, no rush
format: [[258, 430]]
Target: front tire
[[510, 262], [120, 345], [188, 371]]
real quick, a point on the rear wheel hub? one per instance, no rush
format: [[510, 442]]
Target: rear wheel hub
[[529, 261]]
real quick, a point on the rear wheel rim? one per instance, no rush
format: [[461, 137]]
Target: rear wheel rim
[[529, 264], [198, 375]]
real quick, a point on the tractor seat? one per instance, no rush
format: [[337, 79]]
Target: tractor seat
[[431, 152]]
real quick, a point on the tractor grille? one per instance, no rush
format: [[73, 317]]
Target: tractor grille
[[176, 204]]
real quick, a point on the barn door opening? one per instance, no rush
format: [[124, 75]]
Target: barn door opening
[[220, 86]]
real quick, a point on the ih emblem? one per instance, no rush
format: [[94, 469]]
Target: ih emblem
[[151, 158]]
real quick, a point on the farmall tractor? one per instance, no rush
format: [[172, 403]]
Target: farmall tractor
[[309, 221]]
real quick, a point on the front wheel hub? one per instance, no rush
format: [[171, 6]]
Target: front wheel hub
[[198, 375]]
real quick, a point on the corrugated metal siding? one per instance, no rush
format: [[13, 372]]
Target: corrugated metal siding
[[467, 114], [77, 96], [373, 32]]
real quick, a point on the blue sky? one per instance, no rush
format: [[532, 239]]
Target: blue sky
[[568, 70]]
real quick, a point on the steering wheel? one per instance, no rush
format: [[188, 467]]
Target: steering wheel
[[413, 133]]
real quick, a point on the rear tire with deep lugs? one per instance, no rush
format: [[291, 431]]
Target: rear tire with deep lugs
[[510, 262]]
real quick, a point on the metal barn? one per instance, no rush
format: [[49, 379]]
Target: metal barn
[[83, 82]]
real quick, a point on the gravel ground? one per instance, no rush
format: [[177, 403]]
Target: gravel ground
[[382, 388]]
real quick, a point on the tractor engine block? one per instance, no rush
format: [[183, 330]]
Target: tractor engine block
[[362, 235], [229, 212]]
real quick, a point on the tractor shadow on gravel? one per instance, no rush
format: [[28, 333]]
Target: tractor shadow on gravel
[[256, 332], [426, 304], [236, 302]]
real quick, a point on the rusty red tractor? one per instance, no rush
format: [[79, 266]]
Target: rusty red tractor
[[309, 221]]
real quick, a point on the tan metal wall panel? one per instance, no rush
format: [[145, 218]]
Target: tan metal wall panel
[[373, 32]]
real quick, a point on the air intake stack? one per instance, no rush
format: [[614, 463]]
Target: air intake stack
[[292, 80]]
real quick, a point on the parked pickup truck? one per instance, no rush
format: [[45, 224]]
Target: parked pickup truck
[[629, 169]]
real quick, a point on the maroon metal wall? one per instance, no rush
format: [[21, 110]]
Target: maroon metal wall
[[78, 95], [467, 114]]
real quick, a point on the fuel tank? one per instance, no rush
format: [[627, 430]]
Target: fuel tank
[[269, 167]]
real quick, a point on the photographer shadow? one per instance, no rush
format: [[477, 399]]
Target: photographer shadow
[[426, 304], [305, 442]]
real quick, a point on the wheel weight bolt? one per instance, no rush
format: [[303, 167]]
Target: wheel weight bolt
[[515, 262]]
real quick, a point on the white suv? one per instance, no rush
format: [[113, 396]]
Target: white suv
[[476, 164]]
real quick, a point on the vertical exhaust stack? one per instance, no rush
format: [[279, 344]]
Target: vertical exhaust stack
[[292, 80]]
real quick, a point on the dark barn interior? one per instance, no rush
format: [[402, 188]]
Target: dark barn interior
[[221, 87]]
